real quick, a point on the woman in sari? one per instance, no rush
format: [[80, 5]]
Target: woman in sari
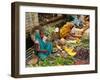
[[43, 48]]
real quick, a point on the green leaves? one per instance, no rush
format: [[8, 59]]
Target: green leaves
[[48, 30], [69, 60], [57, 61]]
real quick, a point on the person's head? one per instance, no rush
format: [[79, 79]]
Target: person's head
[[35, 29]]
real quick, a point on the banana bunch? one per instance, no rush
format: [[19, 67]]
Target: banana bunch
[[70, 51]]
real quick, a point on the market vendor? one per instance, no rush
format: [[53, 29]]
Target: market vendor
[[43, 48]]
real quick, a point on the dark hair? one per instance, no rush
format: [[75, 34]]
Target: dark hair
[[87, 17], [35, 28]]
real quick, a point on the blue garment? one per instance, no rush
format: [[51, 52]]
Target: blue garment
[[77, 22], [43, 46]]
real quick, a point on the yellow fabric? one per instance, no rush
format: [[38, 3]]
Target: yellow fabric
[[66, 29]]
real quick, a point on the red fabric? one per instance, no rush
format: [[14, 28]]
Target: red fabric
[[41, 34], [42, 51]]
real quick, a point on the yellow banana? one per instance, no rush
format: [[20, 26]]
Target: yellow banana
[[70, 51]]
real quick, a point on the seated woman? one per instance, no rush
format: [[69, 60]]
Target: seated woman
[[43, 48]]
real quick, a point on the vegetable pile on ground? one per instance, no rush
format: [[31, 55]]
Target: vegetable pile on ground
[[74, 52]]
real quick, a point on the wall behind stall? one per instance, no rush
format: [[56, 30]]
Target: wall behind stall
[[5, 40]]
